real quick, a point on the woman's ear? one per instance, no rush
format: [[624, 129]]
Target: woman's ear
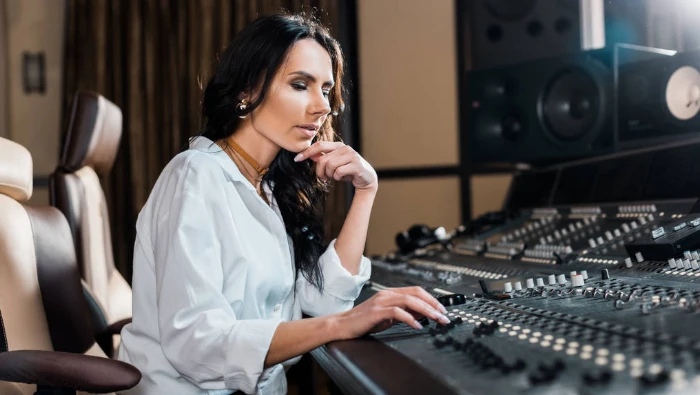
[[251, 94], [244, 96]]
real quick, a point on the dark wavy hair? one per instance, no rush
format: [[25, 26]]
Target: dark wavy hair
[[251, 61]]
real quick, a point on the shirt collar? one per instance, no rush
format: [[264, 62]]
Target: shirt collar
[[203, 144]]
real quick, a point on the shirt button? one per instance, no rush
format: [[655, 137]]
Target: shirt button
[[277, 308]]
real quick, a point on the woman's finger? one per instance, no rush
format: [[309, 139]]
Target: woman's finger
[[343, 150], [344, 173], [382, 326], [322, 164], [326, 165], [338, 161], [402, 315], [321, 167], [424, 295], [406, 301], [316, 149], [421, 307]]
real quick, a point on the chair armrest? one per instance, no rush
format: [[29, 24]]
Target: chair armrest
[[116, 327], [67, 370], [105, 337]]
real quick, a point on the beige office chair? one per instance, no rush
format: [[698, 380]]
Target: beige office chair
[[89, 150], [46, 336]]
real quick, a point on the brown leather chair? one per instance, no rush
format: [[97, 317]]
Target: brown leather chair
[[46, 336], [89, 150]]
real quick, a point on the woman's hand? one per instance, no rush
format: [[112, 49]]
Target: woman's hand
[[389, 306], [340, 162]]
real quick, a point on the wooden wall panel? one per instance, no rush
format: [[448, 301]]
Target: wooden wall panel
[[489, 192], [407, 87], [401, 203]]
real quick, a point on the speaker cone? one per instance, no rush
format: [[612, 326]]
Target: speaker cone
[[683, 93], [506, 122], [571, 105]]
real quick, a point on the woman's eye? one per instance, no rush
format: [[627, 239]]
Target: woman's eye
[[326, 93], [299, 87]]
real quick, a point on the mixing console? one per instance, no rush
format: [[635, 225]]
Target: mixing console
[[561, 299]]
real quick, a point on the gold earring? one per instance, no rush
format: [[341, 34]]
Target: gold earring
[[241, 107]]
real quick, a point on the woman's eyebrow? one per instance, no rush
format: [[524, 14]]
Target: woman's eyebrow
[[310, 77]]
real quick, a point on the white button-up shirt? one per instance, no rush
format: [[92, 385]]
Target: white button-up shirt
[[213, 278]]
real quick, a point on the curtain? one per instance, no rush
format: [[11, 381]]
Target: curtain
[[4, 82], [152, 58]]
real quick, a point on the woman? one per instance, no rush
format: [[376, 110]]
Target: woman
[[229, 248]]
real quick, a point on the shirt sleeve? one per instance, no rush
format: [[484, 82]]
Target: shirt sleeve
[[200, 334], [340, 288]]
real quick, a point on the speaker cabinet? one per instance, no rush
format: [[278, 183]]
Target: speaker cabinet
[[541, 112], [659, 99], [511, 31]]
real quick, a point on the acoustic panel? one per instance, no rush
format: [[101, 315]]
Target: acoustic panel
[[489, 192], [408, 83], [402, 203]]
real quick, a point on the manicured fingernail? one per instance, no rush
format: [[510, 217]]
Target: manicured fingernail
[[298, 157], [417, 324], [444, 319], [443, 309]]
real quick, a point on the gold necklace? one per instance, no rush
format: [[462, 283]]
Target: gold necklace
[[260, 191], [240, 161], [235, 156], [252, 162]]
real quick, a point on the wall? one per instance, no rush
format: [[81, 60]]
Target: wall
[[408, 81], [408, 104], [408, 109], [402, 203], [34, 119], [489, 192]]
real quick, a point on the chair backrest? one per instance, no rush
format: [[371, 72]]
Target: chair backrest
[[41, 298], [89, 151]]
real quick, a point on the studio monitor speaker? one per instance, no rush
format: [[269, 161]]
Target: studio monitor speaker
[[541, 111], [511, 31], [659, 99]]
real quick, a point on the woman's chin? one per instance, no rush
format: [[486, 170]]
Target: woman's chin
[[300, 146]]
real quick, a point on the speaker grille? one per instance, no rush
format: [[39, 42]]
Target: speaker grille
[[571, 105], [542, 111]]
